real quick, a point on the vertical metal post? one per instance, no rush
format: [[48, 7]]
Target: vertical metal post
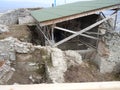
[[65, 1], [107, 20], [54, 3], [115, 22], [52, 32]]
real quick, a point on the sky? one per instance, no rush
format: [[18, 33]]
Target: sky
[[11, 4]]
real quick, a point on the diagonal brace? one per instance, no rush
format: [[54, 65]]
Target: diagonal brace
[[82, 31]]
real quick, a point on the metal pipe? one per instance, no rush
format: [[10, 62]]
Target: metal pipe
[[115, 22], [54, 3], [65, 1]]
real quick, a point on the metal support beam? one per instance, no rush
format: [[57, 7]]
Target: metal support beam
[[88, 45], [73, 32], [82, 31], [106, 20], [115, 22], [52, 33], [44, 34]]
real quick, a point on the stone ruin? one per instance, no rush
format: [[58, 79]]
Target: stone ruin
[[44, 63]]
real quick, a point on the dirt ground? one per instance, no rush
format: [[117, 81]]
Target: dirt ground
[[20, 32], [88, 72]]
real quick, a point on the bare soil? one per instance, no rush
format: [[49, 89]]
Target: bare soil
[[20, 32], [88, 72]]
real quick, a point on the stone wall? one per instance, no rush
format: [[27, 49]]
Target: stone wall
[[18, 16], [108, 56], [35, 63]]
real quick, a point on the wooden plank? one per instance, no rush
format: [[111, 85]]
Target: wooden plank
[[45, 23], [84, 30], [65, 86], [91, 37], [66, 30], [85, 51], [95, 33], [70, 31]]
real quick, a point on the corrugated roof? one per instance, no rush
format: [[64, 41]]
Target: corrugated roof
[[71, 9]]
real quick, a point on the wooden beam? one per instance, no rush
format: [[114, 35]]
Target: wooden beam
[[91, 37], [70, 31], [95, 33], [82, 31], [85, 51], [62, 19], [66, 30]]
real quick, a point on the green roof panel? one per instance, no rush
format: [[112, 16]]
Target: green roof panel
[[71, 9]]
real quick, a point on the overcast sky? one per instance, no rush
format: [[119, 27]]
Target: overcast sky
[[32, 3]]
